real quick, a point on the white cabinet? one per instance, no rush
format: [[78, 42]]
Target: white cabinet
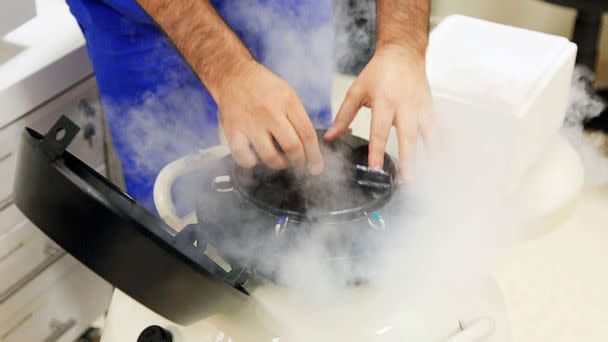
[[45, 294], [58, 305]]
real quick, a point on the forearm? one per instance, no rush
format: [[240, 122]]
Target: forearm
[[208, 45], [403, 23]]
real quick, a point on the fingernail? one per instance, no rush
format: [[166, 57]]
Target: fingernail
[[375, 166], [316, 168], [331, 130]]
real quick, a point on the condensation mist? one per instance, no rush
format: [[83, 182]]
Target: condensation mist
[[457, 214], [592, 147]]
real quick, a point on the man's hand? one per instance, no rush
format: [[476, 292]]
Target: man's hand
[[257, 107], [394, 86]]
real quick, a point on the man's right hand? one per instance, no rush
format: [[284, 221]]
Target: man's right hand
[[256, 108]]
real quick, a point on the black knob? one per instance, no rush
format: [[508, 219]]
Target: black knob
[[154, 333], [89, 111], [88, 131]]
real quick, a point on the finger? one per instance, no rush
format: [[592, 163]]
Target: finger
[[427, 128], [262, 142], [240, 149], [431, 131], [347, 112], [406, 137], [308, 137], [382, 120], [290, 142], [427, 125]]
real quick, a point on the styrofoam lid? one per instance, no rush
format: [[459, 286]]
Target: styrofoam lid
[[490, 63]]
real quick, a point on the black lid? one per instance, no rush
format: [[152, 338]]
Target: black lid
[[112, 235]]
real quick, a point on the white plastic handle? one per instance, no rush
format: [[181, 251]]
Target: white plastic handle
[[167, 176]]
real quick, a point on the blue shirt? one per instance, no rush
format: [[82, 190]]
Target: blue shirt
[[156, 107]]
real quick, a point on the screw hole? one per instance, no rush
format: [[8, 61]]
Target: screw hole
[[60, 134]]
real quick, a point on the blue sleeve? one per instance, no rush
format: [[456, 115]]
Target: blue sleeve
[[131, 10], [84, 10]]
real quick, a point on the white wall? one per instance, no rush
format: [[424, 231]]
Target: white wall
[[531, 14]]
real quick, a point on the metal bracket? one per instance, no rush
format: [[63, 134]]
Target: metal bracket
[[59, 137]]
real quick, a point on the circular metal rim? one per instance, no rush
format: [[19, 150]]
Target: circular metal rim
[[330, 216]]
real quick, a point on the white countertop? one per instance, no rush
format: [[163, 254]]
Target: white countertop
[[556, 287], [53, 59]]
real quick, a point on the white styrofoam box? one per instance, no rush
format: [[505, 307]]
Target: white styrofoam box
[[511, 75]]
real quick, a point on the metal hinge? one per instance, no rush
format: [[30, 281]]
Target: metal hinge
[[59, 137]]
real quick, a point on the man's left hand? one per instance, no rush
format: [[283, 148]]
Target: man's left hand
[[395, 87]]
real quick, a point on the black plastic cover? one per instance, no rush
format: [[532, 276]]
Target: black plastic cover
[[102, 227]]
